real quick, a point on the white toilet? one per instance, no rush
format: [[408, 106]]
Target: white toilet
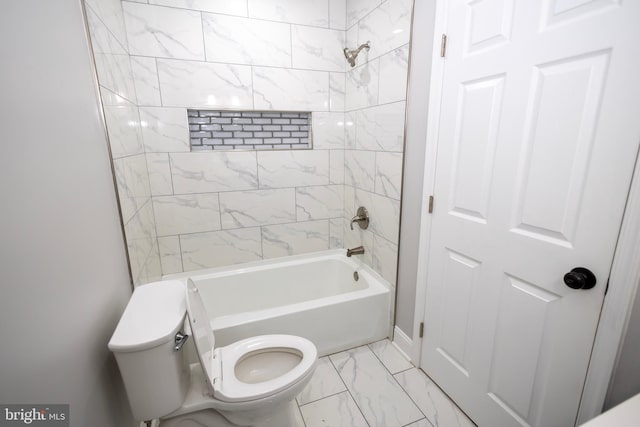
[[252, 382]]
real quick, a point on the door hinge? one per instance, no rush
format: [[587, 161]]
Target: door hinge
[[443, 46], [430, 204], [421, 329]]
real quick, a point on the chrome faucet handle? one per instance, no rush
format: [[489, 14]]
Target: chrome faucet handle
[[362, 218]]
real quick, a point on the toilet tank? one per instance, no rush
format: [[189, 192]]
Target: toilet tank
[[146, 346]]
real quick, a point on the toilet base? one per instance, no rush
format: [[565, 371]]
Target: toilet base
[[199, 409]]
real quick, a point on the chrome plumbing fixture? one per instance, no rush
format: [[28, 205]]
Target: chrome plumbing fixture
[[352, 54], [355, 251], [362, 218]]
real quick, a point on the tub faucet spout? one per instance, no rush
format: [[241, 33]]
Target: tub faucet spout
[[355, 251]]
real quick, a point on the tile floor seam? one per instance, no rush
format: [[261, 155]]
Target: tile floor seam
[[413, 400], [349, 391], [425, 418], [322, 398], [400, 385]]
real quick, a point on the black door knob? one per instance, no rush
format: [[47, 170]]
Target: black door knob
[[580, 278]]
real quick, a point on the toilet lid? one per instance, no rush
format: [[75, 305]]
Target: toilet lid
[[202, 332], [232, 389]]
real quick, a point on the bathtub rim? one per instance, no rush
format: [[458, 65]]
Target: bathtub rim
[[376, 284]]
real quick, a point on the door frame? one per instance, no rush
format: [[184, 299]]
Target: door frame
[[624, 278]]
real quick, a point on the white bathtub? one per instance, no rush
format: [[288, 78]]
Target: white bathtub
[[314, 296]]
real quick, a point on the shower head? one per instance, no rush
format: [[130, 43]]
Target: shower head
[[352, 54]]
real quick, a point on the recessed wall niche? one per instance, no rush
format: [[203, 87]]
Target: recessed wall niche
[[249, 130]]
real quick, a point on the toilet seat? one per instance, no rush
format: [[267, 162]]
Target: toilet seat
[[231, 389], [219, 364]]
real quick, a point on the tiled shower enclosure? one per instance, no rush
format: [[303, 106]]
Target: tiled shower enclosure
[[185, 209]]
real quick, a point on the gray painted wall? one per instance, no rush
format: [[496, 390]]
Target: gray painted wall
[[416, 134], [625, 381], [62, 260]]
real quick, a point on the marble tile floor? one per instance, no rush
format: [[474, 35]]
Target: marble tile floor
[[374, 385]]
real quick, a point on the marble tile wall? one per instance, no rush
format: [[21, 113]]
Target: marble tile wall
[[375, 96], [219, 208], [126, 136]]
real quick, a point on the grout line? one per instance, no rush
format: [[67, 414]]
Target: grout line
[[241, 64], [411, 398], [230, 15], [349, 391], [204, 41], [327, 396]]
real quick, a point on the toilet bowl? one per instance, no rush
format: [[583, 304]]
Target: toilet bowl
[[252, 382]]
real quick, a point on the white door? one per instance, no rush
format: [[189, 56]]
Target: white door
[[537, 139]]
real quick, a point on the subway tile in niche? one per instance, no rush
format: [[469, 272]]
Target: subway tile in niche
[[248, 130]]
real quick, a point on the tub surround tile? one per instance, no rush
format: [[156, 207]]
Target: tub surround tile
[[305, 12], [351, 36], [380, 128], [288, 89], [170, 256], [287, 168], [390, 356], [393, 71], [359, 237], [388, 177], [432, 401], [188, 213], [295, 238], [152, 269], [145, 78], [328, 130], [219, 248], [159, 174], [164, 129], [350, 122], [319, 202], [336, 233], [112, 61], [205, 85], [337, 91], [226, 7], [103, 39], [260, 207], [317, 48], [359, 167], [133, 184], [357, 9], [163, 32], [110, 12], [246, 41], [141, 239], [349, 202], [362, 84], [211, 172], [384, 214], [325, 382], [123, 123], [382, 401], [338, 14], [385, 258], [387, 27], [336, 166], [338, 410]]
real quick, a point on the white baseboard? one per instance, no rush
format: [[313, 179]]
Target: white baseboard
[[402, 342]]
